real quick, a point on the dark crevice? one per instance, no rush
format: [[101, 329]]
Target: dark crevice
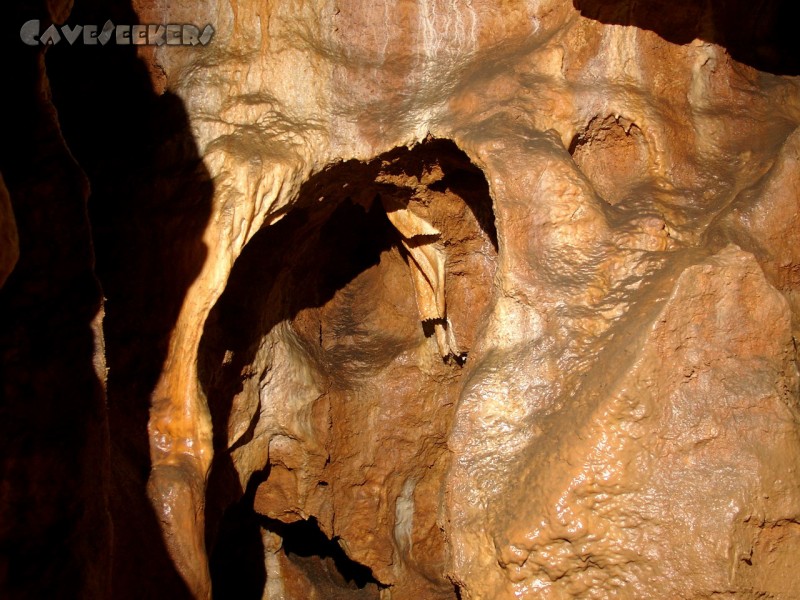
[[577, 141], [471, 185], [149, 199], [236, 561], [305, 544], [758, 33], [249, 433], [429, 324], [351, 241]]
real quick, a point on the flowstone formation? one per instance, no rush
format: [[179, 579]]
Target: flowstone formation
[[603, 404], [449, 299]]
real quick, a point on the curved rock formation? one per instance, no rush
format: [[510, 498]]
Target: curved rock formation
[[453, 299]]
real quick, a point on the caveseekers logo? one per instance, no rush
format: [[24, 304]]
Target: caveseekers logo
[[122, 35]]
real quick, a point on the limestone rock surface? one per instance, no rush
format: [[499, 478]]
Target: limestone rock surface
[[552, 357], [434, 299]]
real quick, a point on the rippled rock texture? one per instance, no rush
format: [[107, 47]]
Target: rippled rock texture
[[448, 299]]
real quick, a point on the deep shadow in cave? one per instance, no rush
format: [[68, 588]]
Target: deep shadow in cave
[[338, 256], [759, 33], [336, 231], [303, 541], [148, 206], [55, 534]]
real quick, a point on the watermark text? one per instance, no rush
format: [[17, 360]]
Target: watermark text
[[122, 35]]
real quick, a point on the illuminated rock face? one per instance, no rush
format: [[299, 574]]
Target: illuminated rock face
[[604, 402], [460, 300], [573, 378]]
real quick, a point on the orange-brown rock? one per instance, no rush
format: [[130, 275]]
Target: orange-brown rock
[[347, 388], [547, 419], [444, 299]]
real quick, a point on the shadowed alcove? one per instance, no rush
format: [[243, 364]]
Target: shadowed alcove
[[331, 365]]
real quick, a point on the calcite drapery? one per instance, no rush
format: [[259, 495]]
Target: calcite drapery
[[420, 240]]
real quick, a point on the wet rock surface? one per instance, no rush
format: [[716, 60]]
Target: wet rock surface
[[423, 299]]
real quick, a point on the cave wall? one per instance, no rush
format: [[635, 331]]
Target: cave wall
[[343, 414], [55, 525], [485, 300]]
